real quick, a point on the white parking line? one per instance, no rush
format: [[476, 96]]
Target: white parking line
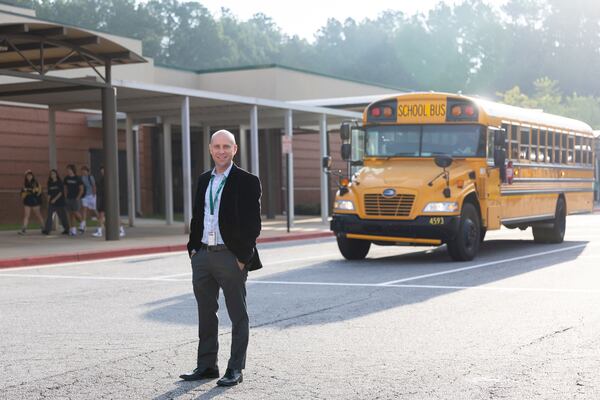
[[487, 264]]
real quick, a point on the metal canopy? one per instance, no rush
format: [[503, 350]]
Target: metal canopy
[[141, 101], [46, 47]]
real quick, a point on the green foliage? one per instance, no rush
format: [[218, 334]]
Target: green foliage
[[547, 97]]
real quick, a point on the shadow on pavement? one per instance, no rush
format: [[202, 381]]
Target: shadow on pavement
[[297, 305]]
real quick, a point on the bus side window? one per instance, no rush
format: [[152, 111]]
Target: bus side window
[[534, 146], [563, 148], [524, 146], [543, 155], [571, 159], [514, 142], [556, 146], [578, 150]]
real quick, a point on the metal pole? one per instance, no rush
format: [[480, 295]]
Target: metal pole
[[243, 148], [168, 173], [111, 160], [324, 193], [138, 184], [254, 140], [270, 186], [206, 142], [52, 138], [186, 163], [130, 171], [289, 132]]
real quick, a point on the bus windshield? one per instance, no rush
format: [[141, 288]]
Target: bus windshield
[[425, 140]]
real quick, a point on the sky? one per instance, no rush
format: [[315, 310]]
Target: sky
[[305, 17]]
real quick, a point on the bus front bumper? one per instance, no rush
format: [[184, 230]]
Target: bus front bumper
[[420, 230]]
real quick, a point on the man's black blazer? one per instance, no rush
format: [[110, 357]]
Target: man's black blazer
[[239, 215]]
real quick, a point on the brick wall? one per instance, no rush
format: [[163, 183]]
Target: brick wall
[[24, 145]]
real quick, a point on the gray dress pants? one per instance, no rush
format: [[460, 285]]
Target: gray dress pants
[[211, 271]]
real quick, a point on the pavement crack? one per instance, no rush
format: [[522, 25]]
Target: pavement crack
[[545, 337], [306, 314]]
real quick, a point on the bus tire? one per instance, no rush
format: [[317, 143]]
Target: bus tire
[[353, 249], [555, 234], [468, 238]]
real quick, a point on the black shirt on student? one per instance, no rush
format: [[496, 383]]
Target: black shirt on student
[[54, 188], [72, 183]]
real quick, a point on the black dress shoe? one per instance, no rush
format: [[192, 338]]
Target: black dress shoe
[[231, 378], [197, 374]]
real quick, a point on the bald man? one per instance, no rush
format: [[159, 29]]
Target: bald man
[[222, 248]]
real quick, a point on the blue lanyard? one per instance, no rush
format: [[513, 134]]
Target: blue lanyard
[[210, 195]]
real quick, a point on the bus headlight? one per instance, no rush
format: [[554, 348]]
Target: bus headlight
[[345, 205], [442, 206]]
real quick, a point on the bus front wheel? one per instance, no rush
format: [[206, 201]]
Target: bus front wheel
[[556, 233], [468, 238], [353, 249]]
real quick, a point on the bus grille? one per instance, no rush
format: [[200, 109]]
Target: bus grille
[[397, 206]]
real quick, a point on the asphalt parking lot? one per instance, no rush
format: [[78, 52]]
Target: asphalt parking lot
[[521, 321]]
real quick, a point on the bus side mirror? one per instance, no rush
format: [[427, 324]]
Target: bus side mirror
[[443, 161], [346, 151], [500, 138], [345, 131], [499, 158], [326, 162]]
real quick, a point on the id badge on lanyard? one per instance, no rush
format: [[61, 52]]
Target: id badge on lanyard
[[212, 235]]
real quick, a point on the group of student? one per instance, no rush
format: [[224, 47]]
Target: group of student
[[71, 198]]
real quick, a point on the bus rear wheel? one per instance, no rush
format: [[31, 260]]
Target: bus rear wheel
[[556, 233], [353, 249], [468, 238]]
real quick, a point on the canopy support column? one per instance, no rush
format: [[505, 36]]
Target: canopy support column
[[205, 147], [111, 160], [289, 132], [168, 173], [130, 171], [186, 163], [243, 148], [254, 140]]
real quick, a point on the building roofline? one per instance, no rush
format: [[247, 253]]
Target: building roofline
[[281, 66], [295, 69]]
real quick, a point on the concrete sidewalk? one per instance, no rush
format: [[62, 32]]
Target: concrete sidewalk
[[148, 236]]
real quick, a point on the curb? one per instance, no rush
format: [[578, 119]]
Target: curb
[[136, 251]]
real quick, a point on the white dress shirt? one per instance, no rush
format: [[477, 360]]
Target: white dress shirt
[[211, 222]]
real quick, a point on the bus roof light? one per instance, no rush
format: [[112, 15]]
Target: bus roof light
[[387, 112], [456, 111], [470, 111], [375, 112]]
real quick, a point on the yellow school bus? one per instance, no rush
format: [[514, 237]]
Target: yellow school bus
[[438, 168]]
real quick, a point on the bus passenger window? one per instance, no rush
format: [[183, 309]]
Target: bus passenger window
[[563, 148], [543, 156], [571, 147], [534, 145], [524, 147], [556, 146], [514, 142], [578, 150]]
